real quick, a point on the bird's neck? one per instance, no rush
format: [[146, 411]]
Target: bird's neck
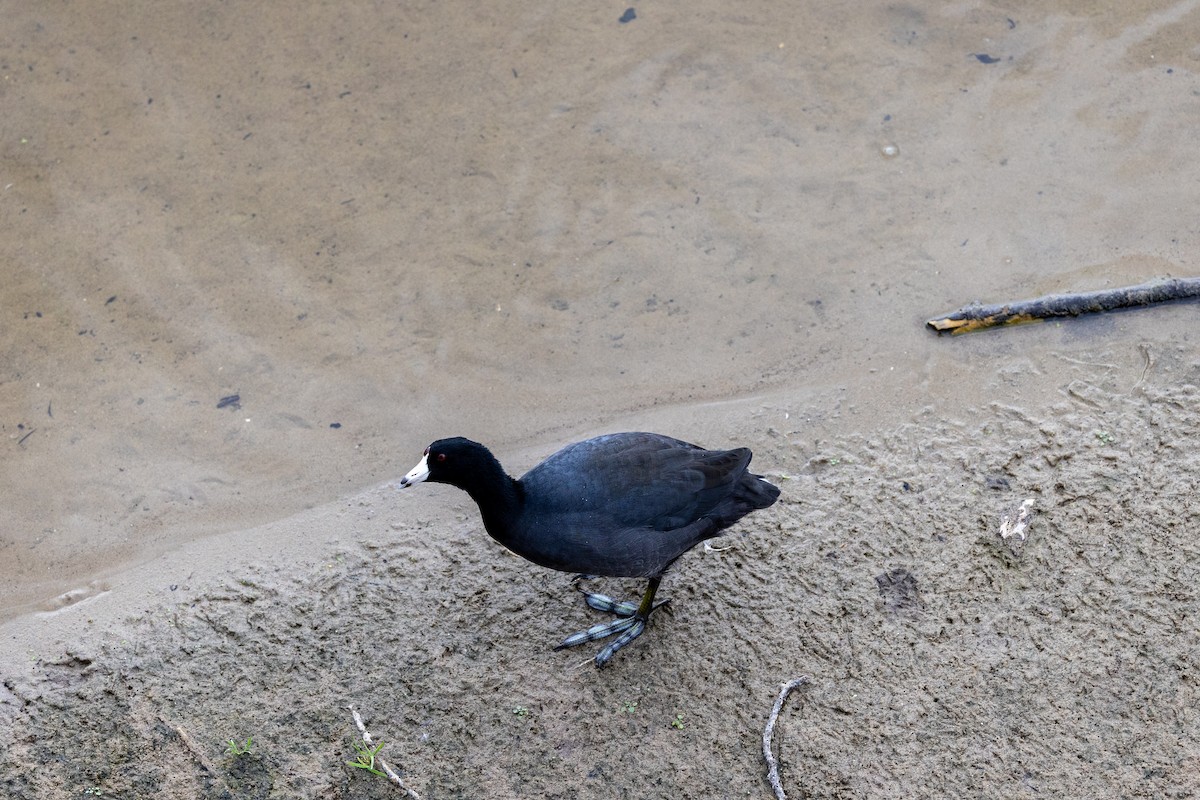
[[500, 502]]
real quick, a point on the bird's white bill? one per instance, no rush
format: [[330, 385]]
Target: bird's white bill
[[417, 474]]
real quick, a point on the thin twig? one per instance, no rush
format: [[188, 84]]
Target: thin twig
[[196, 752], [392, 776], [769, 734]]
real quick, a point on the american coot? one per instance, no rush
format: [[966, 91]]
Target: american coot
[[622, 505]]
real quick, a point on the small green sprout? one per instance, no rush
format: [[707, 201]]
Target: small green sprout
[[1105, 437], [93, 791], [366, 757], [629, 706], [520, 711], [677, 723], [235, 749]]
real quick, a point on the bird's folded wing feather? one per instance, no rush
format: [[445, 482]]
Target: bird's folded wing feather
[[640, 480]]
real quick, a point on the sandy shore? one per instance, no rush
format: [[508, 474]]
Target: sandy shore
[[375, 226]]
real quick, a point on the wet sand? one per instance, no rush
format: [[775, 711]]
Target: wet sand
[[377, 226]]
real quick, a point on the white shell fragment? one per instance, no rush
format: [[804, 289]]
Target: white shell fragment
[[1014, 526]]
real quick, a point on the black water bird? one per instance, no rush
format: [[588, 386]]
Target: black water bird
[[620, 505]]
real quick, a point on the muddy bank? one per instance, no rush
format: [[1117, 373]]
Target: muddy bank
[[943, 664]]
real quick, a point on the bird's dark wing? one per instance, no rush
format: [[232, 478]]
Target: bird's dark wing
[[636, 480]]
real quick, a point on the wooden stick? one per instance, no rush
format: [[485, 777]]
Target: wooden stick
[[769, 734], [197, 753], [976, 317]]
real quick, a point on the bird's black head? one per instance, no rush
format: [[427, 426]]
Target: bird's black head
[[457, 461]]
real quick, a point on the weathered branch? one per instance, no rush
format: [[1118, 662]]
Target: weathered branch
[[977, 317]]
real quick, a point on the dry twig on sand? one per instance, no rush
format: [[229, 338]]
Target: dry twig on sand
[[977, 317], [769, 734], [391, 774], [197, 752]]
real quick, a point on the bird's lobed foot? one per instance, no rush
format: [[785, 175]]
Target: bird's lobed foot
[[622, 608], [602, 631], [630, 625], [629, 629], [602, 602]]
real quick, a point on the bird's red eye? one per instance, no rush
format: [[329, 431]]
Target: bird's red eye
[[441, 456]]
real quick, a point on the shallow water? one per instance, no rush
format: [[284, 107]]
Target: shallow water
[[404, 225]]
